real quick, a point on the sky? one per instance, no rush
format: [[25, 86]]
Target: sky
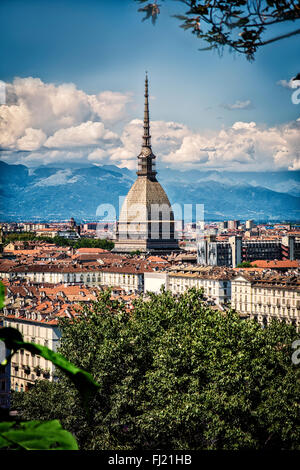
[[73, 75]]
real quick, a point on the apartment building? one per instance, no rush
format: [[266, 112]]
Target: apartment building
[[216, 285], [231, 252], [26, 367], [127, 276], [213, 252], [215, 282], [267, 297]]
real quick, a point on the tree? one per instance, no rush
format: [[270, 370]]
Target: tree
[[61, 241], [174, 374], [246, 264], [238, 24]]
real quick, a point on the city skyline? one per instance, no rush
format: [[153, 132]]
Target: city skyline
[[149, 228]]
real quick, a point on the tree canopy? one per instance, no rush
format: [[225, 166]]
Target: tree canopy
[[60, 241], [173, 374], [239, 24]]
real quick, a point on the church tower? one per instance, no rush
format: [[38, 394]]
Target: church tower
[[146, 221]]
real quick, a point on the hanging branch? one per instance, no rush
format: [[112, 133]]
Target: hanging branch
[[240, 25]]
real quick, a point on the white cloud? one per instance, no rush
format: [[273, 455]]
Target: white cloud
[[97, 155], [289, 83], [192, 150], [245, 143], [86, 134], [42, 157], [238, 105], [295, 165], [38, 111], [165, 137], [32, 140], [240, 125], [109, 105], [46, 123]]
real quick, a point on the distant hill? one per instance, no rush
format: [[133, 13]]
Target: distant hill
[[47, 193]]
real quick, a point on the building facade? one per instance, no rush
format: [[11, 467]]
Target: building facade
[[129, 278], [26, 367], [216, 284], [236, 250], [266, 298]]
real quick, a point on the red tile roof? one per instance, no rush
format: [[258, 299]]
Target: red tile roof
[[273, 264], [91, 250]]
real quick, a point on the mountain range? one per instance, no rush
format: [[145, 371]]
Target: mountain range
[[50, 193]]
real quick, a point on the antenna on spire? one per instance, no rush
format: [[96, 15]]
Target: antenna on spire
[[146, 136]]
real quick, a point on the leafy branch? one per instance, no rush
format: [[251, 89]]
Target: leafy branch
[[82, 380], [36, 435], [238, 24], [33, 435]]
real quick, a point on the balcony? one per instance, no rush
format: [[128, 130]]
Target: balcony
[[26, 369], [37, 370], [46, 374]]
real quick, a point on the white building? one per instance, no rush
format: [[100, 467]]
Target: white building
[[266, 298], [130, 278], [153, 282], [27, 367], [215, 282]]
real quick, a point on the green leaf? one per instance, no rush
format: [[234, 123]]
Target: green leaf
[[36, 435], [82, 380]]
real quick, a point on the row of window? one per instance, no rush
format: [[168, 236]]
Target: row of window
[[30, 330]]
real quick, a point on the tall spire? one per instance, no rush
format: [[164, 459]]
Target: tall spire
[[146, 136], [146, 159]]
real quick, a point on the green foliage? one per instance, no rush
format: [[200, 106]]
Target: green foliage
[[93, 243], [2, 295], [238, 24], [36, 435], [83, 381], [245, 264], [25, 236], [174, 374], [61, 241]]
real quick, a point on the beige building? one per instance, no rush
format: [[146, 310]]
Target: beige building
[[130, 278], [215, 282], [26, 367], [216, 287], [266, 298]]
